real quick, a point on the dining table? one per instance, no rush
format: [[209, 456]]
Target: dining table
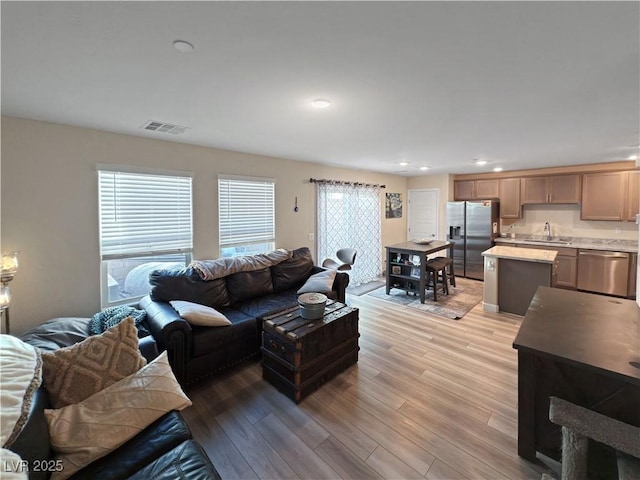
[[407, 264]]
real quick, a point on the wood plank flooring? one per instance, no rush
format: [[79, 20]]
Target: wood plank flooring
[[429, 398]]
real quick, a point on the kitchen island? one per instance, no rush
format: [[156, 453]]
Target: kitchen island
[[580, 347], [512, 276]]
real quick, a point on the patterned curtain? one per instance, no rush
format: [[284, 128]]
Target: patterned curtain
[[349, 217]]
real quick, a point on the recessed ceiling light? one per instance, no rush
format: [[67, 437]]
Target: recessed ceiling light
[[497, 169], [424, 168], [633, 157], [183, 46], [403, 164], [480, 162], [320, 103]]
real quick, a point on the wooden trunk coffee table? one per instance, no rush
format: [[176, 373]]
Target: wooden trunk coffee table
[[299, 355]]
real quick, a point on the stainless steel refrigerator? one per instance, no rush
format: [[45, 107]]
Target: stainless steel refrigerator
[[473, 226]]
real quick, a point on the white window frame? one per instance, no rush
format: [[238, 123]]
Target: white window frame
[[182, 246], [229, 207]]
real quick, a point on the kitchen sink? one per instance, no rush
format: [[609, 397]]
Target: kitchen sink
[[555, 242]]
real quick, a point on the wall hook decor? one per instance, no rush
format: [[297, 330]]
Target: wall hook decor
[[295, 208]]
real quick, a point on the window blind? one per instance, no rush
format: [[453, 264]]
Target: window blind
[[246, 210], [144, 214]]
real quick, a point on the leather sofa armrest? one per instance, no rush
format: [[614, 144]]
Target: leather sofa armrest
[[340, 286], [160, 437], [148, 347], [171, 332]]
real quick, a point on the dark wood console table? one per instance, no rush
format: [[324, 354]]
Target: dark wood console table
[[581, 347], [405, 273]]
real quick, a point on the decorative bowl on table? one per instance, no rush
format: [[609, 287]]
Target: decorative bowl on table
[[422, 241]]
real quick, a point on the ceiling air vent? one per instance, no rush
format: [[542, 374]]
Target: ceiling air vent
[[164, 127]]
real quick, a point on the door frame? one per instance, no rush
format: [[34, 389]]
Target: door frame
[[409, 209]]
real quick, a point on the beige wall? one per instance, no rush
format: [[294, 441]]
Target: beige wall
[[444, 185], [50, 206]]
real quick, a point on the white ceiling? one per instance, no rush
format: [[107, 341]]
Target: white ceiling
[[438, 84]]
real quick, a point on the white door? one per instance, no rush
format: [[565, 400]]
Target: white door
[[422, 221]]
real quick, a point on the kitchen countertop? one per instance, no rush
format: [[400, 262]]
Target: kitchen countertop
[[524, 254], [630, 246]]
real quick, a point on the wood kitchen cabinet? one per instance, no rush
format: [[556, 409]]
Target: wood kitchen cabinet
[[566, 266], [604, 196], [633, 195], [566, 263], [464, 190], [567, 273], [510, 206], [552, 189], [476, 189]]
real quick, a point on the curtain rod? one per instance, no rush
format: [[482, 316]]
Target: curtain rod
[[340, 182]]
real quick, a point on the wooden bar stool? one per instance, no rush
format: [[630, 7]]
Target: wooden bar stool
[[452, 274], [437, 268]]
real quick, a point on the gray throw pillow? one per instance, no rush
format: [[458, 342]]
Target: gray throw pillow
[[320, 282]]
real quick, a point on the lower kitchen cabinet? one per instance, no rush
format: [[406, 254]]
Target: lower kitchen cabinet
[[567, 274], [566, 264]]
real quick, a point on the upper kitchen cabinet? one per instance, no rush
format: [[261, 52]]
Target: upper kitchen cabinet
[[604, 196], [633, 197], [464, 190], [476, 189], [510, 198], [552, 189]]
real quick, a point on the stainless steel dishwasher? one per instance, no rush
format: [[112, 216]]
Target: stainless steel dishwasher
[[603, 272]]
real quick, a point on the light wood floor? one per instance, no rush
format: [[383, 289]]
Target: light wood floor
[[429, 398]]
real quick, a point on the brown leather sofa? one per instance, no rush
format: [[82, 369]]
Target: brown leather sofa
[[196, 352]]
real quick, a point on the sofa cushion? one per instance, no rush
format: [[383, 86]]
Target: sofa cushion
[[207, 339], [86, 431], [187, 460], [186, 284], [259, 307], [245, 285], [74, 373], [292, 272], [20, 377], [197, 314], [57, 333]]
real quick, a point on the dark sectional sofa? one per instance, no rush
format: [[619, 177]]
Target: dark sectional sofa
[[244, 298], [164, 450]]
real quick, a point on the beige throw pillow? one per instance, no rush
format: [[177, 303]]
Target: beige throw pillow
[[74, 373], [197, 314], [86, 431]]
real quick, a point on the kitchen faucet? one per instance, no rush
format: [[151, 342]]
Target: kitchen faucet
[[547, 230]]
